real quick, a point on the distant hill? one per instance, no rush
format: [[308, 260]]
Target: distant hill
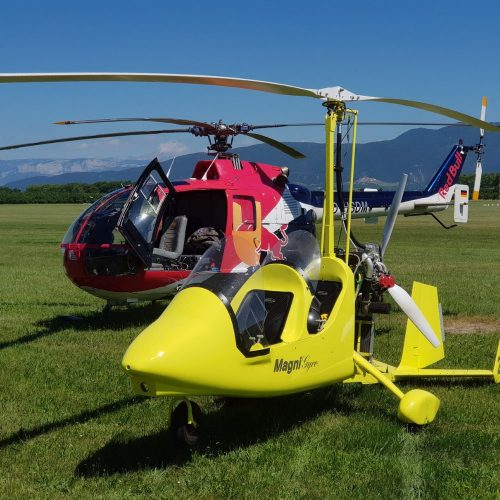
[[418, 152], [14, 170]]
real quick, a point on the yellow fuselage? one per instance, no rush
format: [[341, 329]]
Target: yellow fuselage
[[192, 348]]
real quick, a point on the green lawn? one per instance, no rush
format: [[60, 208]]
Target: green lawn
[[70, 426]]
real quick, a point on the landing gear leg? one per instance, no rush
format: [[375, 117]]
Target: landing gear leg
[[415, 407], [185, 422]]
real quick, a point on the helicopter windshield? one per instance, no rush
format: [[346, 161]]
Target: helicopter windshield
[[103, 213]]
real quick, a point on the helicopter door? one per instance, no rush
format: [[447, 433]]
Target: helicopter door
[[247, 227], [151, 197]]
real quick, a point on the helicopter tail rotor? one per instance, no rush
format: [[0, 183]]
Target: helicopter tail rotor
[[479, 151]]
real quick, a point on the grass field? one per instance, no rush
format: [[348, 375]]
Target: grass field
[[70, 427]]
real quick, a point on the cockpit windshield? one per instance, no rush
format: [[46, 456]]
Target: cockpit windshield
[[102, 217]]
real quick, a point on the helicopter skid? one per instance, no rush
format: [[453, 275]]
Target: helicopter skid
[[129, 297]]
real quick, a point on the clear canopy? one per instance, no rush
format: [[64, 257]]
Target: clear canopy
[[228, 263]]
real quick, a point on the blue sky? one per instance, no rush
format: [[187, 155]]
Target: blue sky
[[444, 52]]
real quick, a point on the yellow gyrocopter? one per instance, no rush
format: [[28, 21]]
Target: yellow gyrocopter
[[299, 317]]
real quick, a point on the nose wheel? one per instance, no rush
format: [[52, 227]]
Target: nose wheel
[[185, 422]]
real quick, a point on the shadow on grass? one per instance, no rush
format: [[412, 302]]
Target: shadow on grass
[[235, 424], [117, 318], [26, 434]]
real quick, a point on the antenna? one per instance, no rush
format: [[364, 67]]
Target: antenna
[[171, 165]]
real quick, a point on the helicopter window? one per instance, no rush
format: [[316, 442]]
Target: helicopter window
[[111, 261], [145, 208], [243, 213], [261, 317]]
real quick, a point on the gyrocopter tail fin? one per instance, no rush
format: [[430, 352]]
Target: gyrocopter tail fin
[[417, 352]]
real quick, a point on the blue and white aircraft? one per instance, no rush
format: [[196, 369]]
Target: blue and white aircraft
[[441, 192]]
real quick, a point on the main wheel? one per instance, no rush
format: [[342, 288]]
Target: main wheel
[[183, 431]]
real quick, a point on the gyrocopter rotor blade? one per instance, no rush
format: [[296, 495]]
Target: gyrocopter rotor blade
[[330, 93], [393, 213], [96, 136], [410, 308]]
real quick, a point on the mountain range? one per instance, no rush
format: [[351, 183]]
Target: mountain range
[[417, 152]]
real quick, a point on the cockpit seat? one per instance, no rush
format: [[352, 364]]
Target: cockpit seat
[[172, 240]]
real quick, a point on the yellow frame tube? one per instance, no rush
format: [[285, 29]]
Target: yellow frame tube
[[327, 233], [368, 367], [351, 184]]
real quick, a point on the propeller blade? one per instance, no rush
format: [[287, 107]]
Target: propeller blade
[[176, 121], [393, 213], [410, 308], [278, 145], [97, 136], [330, 93]]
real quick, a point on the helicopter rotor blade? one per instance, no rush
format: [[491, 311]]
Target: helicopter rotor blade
[[96, 136], [330, 93], [393, 213], [410, 308], [278, 145], [176, 121], [479, 167]]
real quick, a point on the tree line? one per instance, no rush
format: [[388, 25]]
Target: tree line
[[59, 193], [88, 193], [490, 185]]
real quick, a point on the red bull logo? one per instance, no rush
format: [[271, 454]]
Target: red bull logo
[[451, 174], [274, 242]]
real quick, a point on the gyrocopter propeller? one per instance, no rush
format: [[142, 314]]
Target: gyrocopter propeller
[[374, 278]]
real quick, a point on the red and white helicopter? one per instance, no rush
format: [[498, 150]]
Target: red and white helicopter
[[140, 242]]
